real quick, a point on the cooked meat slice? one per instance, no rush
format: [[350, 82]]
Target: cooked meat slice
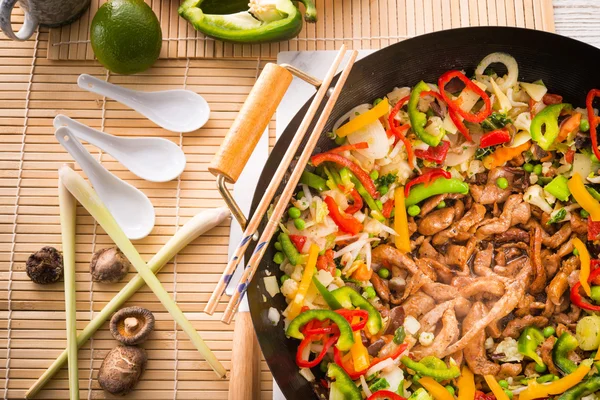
[[551, 262], [498, 225], [417, 242], [474, 352], [546, 354], [491, 193], [440, 291], [429, 320], [426, 268], [418, 304], [443, 273], [457, 255], [521, 214], [474, 286], [472, 217], [560, 283], [483, 261], [374, 348], [459, 209], [381, 287], [579, 225], [390, 256], [514, 327], [512, 235], [412, 226], [570, 319], [445, 337], [428, 251], [510, 269], [395, 320], [509, 370], [565, 249], [539, 271], [436, 221], [493, 329], [514, 292], [462, 307], [415, 283], [559, 237], [431, 203]]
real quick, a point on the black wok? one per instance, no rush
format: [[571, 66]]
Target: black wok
[[568, 67]]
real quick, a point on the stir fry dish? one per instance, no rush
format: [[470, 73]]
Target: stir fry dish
[[447, 247]]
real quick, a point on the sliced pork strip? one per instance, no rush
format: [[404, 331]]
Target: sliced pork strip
[[561, 236], [474, 352], [501, 224], [418, 304], [482, 265], [445, 337], [560, 283], [539, 271], [515, 327], [472, 217], [436, 221]]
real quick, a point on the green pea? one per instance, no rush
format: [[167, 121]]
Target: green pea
[[293, 212], [441, 204], [537, 169], [528, 167], [450, 389], [503, 384], [374, 174], [383, 190], [338, 272], [369, 292], [502, 183], [299, 223], [575, 252], [278, 257], [548, 331], [278, 246], [414, 210], [541, 368], [584, 214], [584, 125], [508, 393], [384, 273], [377, 101], [340, 140], [284, 278], [379, 204]]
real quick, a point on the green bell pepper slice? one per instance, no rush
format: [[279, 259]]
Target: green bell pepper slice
[[529, 341], [233, 21], [420, 192], [327, 295], [313, 180], [433, 367], [565, 343], [418, 119], [349, 298], [558, 188], [547, 118], [585, 388], [346, 339], [344, 383], [289, 249]]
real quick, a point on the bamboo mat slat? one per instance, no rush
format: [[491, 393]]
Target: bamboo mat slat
[[361, 24], [34, 88]]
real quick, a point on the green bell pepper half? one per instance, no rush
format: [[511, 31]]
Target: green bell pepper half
[[529, 341], [418, 119], [344, 383], [547, 118], [420, 192], [288, 248], [349, 298], [232, 21], [585, 388], [346, 339], [327, 295], [433, 367], [565, 343]]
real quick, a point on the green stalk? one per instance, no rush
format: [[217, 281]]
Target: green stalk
[[68, 212]]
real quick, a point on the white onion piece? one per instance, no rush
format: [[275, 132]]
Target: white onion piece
[[367, 250], [395, 150], [463, 153], [365, 387], [389, 230], [523, 121], [520, 138], [379, 366], [375, 136], [508, 61], [273, 315], [307, 194]]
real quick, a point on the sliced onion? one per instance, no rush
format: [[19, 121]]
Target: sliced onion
[[375, 136], [365, 387], [506, 59], [464, 154], [379, 366]]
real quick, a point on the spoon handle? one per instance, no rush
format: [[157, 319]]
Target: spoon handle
[[122, 95], [101, 140]]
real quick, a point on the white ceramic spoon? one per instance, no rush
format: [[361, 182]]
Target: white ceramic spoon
[[131, 208], [152, 159], [175, 110]]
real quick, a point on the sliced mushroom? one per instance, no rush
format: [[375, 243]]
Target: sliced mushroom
[[121, 369], [131, 325]]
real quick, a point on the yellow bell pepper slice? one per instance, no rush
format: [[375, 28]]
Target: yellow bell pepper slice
[[583, 198], [584, 260], [495, 388], [435, 389], [540, 391], [402, 241], [364, 119], [309, 271], [466, 384], [360, 354]]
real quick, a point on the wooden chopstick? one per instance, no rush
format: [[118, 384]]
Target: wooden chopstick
[[279, 175], [285, 197]]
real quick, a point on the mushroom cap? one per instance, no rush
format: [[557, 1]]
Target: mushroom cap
[[109, 265], [132, 325], [121, 369], [45, 266]]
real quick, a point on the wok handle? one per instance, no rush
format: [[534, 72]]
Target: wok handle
[[244, 378], [251, 122]]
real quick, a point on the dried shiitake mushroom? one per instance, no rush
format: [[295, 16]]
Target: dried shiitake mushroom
[[121, 369], [109, 265], [131, 325], [45, 266]]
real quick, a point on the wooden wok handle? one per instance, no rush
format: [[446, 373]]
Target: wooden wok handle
[[251, 122], [244, 378]]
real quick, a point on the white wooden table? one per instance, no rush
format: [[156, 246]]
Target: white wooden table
[[579, 19]]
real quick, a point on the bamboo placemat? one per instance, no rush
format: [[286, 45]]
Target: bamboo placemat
[[360, 24], [33, 89]]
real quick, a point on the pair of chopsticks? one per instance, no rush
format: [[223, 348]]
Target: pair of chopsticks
[[288, 191]]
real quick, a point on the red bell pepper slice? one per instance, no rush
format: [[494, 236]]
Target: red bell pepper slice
[[477, 117], [570, 156], [346, 223], [298, 241], [388, 207], [593, 230], [593, 119], [493, 138], [360, 174], [347, 314], [385, 394], [398, 131], [426, 178], [328, 341], [482, 396], [460, 125], [325, 262], [436, 154], [576, 297], [357, 202], [356, 146], [399, 350]]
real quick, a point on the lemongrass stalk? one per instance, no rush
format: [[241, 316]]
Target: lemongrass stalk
[[88, 198], [199, 224], [68, 213]]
